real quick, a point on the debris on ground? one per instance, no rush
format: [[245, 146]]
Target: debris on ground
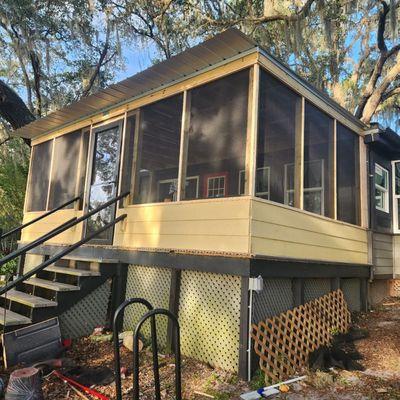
[[376, 343]]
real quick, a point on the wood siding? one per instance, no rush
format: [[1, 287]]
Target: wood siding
[[382, 254], [220, 225], [39, 228], [280, 231]]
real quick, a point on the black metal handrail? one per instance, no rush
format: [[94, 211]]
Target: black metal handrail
[[60, 255], [46, 214], [117, 356], [60, 229], [136, 386]]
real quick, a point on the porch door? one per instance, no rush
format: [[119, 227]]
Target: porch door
[[104, 179]]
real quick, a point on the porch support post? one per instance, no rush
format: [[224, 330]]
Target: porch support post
[[174, 295], [335, 283], [118, 291], [244, 329], [364, 294], [299, 154], [252, 131], [298, 291]]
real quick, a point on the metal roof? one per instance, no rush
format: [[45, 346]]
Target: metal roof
[[207, 55], [214, 51]]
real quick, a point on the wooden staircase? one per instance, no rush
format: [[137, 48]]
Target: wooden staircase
[[53, 290]]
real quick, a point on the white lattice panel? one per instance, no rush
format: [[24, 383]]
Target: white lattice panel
[[152, 284], [209, 316], [84, 316]]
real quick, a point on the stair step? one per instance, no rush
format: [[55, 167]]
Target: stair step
[[91, 259], [72, 271], [56, 286], [28, 299], [13, 319]]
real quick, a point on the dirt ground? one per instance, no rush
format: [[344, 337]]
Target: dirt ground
[[380, 353]]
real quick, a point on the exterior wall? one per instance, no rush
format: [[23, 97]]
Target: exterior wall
[[281, 231], [45, 225], [382, 251], [396, 256], [220, 225]]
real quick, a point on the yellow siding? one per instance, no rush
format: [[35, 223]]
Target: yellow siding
[[280, 231], [39, 228], [205, 225]]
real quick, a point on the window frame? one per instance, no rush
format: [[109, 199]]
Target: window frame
[[308, 189], [172, 180], [385, 191], [216, 175], [243, 172], [395, 198]]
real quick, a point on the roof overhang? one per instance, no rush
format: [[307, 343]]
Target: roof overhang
[[384, 140], [213, 53]]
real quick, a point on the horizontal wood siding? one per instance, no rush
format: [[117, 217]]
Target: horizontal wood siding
[[382, 250], [206, 225], [39, 228], [280, 231]]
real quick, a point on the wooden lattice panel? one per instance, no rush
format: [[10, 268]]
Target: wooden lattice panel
[[284, 342], [394, 290]]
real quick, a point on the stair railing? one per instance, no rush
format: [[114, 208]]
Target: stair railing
[[56, 231], [46, 214], [61, 254]]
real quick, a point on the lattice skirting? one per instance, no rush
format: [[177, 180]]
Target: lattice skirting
[[84, 316], [152, 284], [284, 342], [209, 315], [394, 288]]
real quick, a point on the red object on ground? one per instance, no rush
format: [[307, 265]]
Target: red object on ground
[[67, 343], [78, 385]]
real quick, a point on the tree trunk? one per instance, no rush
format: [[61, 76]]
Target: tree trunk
[[12, 107]]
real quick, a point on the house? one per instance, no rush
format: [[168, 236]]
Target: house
[[243, 191]]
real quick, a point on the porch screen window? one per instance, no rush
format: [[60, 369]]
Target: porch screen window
[[347, 170], [158, 150], [381, 188], [276, 140], [63, 186], [318, 161], [39, 176], [217, 135]]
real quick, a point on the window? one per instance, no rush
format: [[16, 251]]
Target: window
[[276, 138], [313, 189], [381, 188], [262, 182], [217, 134], [216, 186], [347, 169], [158, 149], [167, 188], [318, 161], [39, 176], [64, 185], [396, 196]]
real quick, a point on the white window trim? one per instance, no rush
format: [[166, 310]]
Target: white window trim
[[395, 197], [208, 185], [257, 193], [308, 190], [188, 178], [384, 171]]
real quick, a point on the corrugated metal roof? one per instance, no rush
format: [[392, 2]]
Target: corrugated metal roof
[[221, 48]]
